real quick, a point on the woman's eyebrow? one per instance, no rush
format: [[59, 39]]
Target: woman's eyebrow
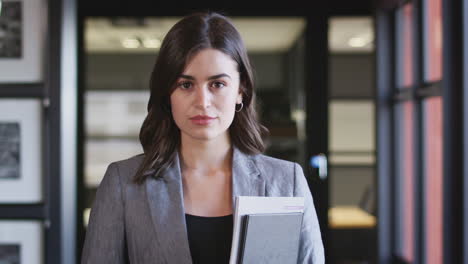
[[209, 78], [219, 76]]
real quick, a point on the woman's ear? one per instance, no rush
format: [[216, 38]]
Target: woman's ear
[[239, 98]]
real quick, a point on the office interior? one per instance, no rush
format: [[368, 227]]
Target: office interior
[[370, 97]]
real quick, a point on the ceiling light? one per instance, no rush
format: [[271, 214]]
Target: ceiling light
[[298, 115], [357, 42], [152, 43], [130, 43]]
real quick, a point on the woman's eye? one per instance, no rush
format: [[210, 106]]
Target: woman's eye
[[185, 85], [218, 85]]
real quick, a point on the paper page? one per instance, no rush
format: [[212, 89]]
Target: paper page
[[260, 205]]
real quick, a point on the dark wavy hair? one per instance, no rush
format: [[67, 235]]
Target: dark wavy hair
[[159, 135]]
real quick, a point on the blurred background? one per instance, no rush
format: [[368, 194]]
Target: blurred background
[[367, 96]]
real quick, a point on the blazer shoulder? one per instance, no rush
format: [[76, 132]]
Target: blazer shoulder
[[127, 168]]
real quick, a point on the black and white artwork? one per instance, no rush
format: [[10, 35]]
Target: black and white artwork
[[20, 151], [21, 241], [11, 30], [9, 151], [10, 254], [22, 31]]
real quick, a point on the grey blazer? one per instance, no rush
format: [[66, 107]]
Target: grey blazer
[[145, 223]]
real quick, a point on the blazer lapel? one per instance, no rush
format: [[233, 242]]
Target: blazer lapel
[[166, 203], [246, 178]]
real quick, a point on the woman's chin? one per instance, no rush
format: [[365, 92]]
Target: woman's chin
[[206, 135]]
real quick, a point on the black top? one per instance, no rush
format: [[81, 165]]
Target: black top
[[209, 238]]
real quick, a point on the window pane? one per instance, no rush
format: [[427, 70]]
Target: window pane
[[352, 187], [113, 120], [352, 165], [405, 179], [433, 40], [404, 45], [433, 178], [352, 120]]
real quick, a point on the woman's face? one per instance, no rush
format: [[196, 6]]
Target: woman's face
[[204, 100]]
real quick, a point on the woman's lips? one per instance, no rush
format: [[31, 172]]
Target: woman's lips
[[202, 120]]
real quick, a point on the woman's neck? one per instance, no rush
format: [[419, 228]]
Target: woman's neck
[[205, 155]]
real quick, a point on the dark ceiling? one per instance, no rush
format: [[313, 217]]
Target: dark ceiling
[[228, 7]]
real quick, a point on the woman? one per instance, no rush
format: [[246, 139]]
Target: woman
[[202, 145]]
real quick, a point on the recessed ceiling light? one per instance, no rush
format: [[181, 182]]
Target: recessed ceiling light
[[151, 43], [131, 43], [357, 42]]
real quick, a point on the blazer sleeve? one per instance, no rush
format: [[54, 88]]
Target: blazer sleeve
[[310, 243], [105, 235]]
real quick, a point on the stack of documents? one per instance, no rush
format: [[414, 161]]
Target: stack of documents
[[266, 229]]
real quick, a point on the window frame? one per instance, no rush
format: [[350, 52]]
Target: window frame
[[453, 89]]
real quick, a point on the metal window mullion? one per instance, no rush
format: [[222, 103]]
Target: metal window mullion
[[392, 126], [452, 94], [52, 198], [465, 131], [384, 118], [81, 138], [419, 147], [403, 95], [429, 90]]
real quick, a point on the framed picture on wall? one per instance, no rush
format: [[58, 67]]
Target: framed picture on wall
[[21, 242], [22, 31], [20, 151]]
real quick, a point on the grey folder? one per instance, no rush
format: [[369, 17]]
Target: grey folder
[[270, 238]]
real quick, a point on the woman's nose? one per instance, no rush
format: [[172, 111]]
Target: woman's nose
[[202, 98]]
